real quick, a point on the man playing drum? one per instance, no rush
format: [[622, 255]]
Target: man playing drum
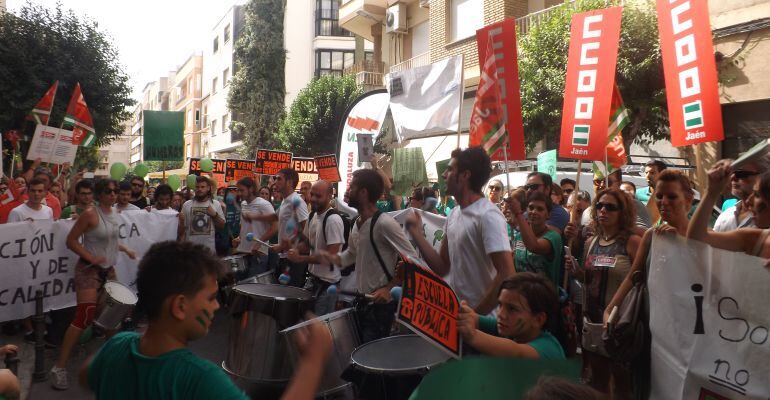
[[177, 283], [292, 217], [253, 210]]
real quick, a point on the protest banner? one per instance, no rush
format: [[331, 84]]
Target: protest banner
[[365, 143], [546, 163], [689, 68], [306, 168], [408, 170], [593, 51], [709, 322], [218, 173], [269, 162], [441, 167], [328, 169], [237, 169], [163, 135], [52, 145], [429, 307], [35, 256]]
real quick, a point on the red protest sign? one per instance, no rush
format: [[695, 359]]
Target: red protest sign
[[429, 307], [689, 67], [305, 167], [328, 169], [593, 52], [237, 169], [269, 162], [218, 173], [503, 35]]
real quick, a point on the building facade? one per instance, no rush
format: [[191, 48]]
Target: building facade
[[186, 95], [155, 96], [117, 151]]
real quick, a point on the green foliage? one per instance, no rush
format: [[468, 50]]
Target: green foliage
[[543, 55], [314, 118], [258, 86], [157, 166], [41, 45]]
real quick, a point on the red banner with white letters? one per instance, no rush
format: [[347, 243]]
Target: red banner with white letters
[[593, 52], [694, 113]]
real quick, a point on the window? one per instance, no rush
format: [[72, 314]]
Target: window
[[197, 119], [326, 19], [188, 150], [227, 33], [225, 77], [216, 44], [332, 61], [466, 16], [420, 39], [225, 119], [190, 123], [213, 127], [214, 86]]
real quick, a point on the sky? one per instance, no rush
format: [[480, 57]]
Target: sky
[[153, 37]]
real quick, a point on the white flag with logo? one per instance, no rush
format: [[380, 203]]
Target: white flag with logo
[[425, 101]]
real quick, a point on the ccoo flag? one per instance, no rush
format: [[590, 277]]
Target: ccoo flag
[[42, 111], [79, 119], [487, 126], [616, 152]]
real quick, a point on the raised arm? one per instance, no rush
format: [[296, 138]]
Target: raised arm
[[437, 261], [534, 244]]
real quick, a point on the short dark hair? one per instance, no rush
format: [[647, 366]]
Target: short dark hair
[[537, 289], [43, 171], [476, 161], [547, 180], [125, 185], [170, 268], [569, 181], [556, 189], [659, 165], [136, 178], [550, 388], [290, 174], [102, 185], [84, 184], [629, 183], [370, 180], [162, 190], [540, 196], [35, 181], [676, 176], [248, 183]]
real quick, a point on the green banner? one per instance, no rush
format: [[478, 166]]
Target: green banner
[[163, 135], [408, 170], [546, 162], [442, 166]]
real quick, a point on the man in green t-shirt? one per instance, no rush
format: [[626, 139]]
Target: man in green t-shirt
[[84, 198], [537, 248], [527, 301], [177, 284]]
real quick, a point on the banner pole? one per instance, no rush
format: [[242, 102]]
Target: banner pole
[[163, 167], [462, 94], [505, 159]]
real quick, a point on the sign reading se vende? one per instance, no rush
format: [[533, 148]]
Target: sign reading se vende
[[328, 169], [306, 169], [237, 169], [269, 162], [430, 308], [218, 173]]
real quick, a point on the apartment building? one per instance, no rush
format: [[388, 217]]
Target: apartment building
[[186, 95], [116, 151]]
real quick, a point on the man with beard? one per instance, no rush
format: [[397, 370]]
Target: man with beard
[[292, 217], [475, 252], [252, 208], [742, 183], [326, 231], [163, 200], [200, 216], [137, 189]]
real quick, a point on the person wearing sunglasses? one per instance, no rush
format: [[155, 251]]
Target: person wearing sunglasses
[[94, 238], [601, 268], [541, 182], [741, 185], [495, 191], [614, 181]]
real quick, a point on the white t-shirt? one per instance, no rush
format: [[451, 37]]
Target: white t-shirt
[[257, 228], [472, 233], [335, 234], [24, 213], [128, 207], [199, 226], [169, 211], [287, 212]]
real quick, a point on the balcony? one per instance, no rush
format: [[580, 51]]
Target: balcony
[[358, 16], [368, 74], [414, 62], [525, 23]]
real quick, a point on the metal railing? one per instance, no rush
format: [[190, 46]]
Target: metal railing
[[369, 80], [417, 61], [525, 23], [364, 66]]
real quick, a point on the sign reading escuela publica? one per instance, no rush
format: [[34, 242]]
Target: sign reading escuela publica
[[269, 162], [237, 169], [163, 135], [430, 308], [328, 168], [593, 53]]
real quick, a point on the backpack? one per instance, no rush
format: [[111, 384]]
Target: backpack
[[347, 225]]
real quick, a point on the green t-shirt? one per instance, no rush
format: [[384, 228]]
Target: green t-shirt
[[119, 371], [527, 261], [67, 212], [546, 345]]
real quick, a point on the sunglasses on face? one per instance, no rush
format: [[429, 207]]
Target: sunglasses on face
[[111, 191], [568, 191], [607, 206], [533, 186], [495, 188], [742, 174]]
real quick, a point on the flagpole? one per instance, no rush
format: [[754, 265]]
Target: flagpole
[[462, 94], [606, 170], [505, 159]]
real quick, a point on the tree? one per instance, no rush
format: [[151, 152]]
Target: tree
[[543, 54], [258, 87], [39, 46], [158, 166], [314, 118]]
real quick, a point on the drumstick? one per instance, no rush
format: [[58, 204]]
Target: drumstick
[[332, 289]]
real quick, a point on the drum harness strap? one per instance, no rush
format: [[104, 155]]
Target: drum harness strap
[[374, 246]]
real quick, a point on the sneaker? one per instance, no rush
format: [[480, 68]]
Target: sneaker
[[59, 378]]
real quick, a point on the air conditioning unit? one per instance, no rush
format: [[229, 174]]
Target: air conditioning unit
[[395, 19]]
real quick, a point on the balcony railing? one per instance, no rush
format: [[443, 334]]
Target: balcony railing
[[364, 66], [525, 23], [369, 80], [417, 61]]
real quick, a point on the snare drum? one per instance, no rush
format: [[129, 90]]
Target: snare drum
[[258, 312], [119, 300], [391, 368], [342, 327]]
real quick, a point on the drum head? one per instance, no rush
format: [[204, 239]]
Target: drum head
[[406, 353], [235, 258], [270, 291], [120, 293], [322, 318]]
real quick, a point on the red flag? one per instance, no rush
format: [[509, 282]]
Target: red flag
[[42, 111], [78, 117], [487, 127]]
